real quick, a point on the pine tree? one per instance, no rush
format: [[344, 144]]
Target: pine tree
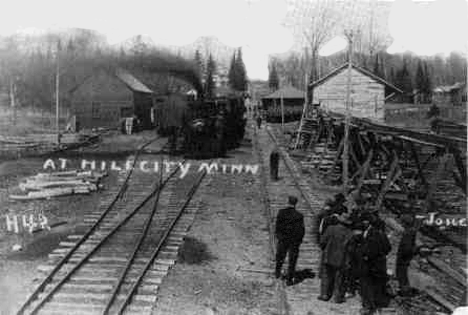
[[199, 63], [419, 79], [209, 79], [240, 73], [403, 80], [376, 65], [232, 72], [427, 87], [273, 80]]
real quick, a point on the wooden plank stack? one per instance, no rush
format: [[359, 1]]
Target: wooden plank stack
[[47, 185]]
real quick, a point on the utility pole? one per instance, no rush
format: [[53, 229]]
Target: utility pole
[[305, 109], [57, 86], [282, 112], [349, 36]]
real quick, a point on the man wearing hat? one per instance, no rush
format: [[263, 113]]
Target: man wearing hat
[[406, 250], [289, 231], [333, 244], [376, 247]]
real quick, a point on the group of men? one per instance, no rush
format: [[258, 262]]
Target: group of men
[[354, 248]]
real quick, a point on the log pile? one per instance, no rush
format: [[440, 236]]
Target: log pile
[[34, 144], [47, 185]]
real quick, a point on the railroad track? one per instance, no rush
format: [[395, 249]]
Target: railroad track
[[297, 297], [117, 266], [452, 283]]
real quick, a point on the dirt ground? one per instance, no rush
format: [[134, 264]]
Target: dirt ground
[[224, 266], [64, 214]]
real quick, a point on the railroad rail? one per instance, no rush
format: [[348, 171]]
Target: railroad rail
[[394, 166], [452, 283], [118, 264], [294, 299]]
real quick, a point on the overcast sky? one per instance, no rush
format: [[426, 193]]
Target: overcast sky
[[255, 25]]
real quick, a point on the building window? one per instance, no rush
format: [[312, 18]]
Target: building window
[[125, 112], [95, 110]]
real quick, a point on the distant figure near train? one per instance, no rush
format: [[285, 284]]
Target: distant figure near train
[[274, 164]]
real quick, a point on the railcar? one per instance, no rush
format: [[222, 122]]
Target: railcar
[[207, 128]]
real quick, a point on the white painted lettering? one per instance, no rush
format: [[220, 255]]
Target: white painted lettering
[[114, 166], [224, 168], [208, 168], [431, 219], [63, 163], [184, 168], [169, 165], [251, 169], [86, 163], [462, 222], [29, 223], [143, 167], [103, 165], [44, 222], [237, 168], [49, 163], [156, 167], [129, 165], [12, 223]]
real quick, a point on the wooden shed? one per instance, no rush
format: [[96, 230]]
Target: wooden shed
[[293, 101], [368, 92], [292, 98], [106, 97], [450, 94]]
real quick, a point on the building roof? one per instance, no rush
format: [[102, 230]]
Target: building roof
[[286, 92], [133, 83], [360, 69], [449, 88], [221, 91]]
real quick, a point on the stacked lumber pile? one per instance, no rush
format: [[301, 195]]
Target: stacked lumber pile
[[15, 146], [322, 158], [47, 185]]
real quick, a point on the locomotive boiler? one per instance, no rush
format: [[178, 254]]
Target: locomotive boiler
[[205, 128]]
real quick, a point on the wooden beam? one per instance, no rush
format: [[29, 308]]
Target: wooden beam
[[418, 165], [388, 181], [461, 169], [361, 145], [365, 167], [337, 157], [433, 185]]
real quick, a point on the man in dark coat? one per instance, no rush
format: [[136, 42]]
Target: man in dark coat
[[289, 231], [354, 260], [376, 247], [333, 244], [406, 250], [259, 121]]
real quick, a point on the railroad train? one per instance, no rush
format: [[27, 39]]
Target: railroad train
[[207, 128]]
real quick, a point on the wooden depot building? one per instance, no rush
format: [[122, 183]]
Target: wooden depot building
[[368, 92], [293, 103], [107, 97]]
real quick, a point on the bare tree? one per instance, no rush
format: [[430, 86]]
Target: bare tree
[[315, 22]]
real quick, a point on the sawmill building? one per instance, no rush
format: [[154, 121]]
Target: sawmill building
[[368, 92], [107, 97]]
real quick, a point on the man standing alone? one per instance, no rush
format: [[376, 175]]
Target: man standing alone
[[289, 231]]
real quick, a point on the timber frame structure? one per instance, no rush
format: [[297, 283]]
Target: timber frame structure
[[390, 165]]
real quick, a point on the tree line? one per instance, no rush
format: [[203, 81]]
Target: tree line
[[29, 66], [416, 76], [236, 76]]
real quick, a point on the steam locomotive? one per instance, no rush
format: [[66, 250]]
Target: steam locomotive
[[207, 128]]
